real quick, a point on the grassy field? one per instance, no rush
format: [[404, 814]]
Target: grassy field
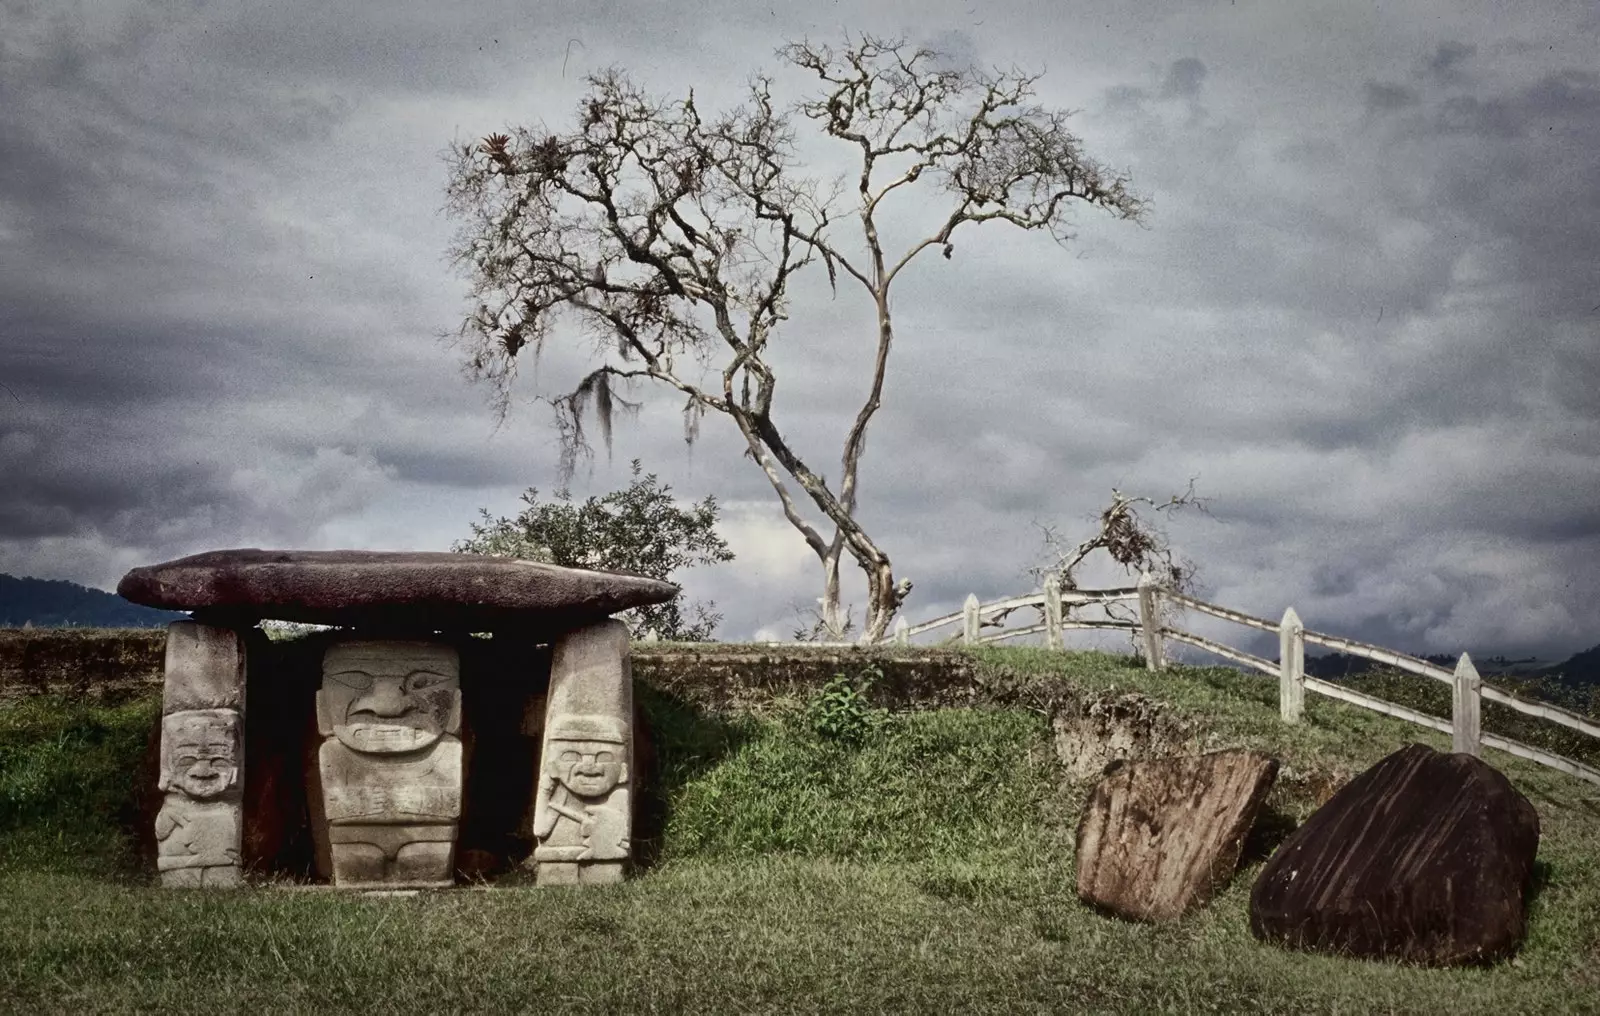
[[920, 862]]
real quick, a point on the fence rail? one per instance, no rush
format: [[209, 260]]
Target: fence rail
[[1467, 688]]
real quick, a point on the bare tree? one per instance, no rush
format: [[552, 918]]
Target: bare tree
[[671, 236], [1136, 543]]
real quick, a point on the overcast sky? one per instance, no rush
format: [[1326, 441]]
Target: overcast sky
[[1364, 310]]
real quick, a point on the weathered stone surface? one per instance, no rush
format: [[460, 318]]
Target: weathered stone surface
[[205, 668], [582, 816], [391, 766], [200, 823], [199, 827], [1158, 838], [1425, 857], [394, 590]]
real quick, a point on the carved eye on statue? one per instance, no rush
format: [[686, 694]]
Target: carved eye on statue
[[355, 680], [187, 761], [604, 757], [571, 756], [423, 679], [221, 761]]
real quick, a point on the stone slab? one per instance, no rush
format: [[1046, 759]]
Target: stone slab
[[1159, 837], [387, 589], [1426, 857], [204, 668], [582, 814]]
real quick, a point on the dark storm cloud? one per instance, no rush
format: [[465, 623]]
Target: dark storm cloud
[[1447, 64], [1184, 78], [1382, 97], [1468, 115], [1369, 334]]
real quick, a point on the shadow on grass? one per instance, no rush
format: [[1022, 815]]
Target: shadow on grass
[[1537, 880], [70, 774], [686, 742], [1271, 827]]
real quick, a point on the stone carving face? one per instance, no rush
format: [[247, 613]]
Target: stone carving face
[[586, 755], [389, 697], [202, 752]]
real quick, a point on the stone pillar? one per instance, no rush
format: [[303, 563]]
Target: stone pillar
[[201, 822], [582, 821], [391, 764]]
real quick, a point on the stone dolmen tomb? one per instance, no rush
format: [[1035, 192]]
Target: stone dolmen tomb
[[399, 748]]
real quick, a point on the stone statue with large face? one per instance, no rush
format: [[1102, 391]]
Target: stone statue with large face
[[391, 765], [198, 827]]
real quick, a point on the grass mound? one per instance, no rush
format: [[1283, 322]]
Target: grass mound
[[821, 855]]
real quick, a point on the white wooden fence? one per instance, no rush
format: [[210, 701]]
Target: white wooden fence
[[1468, 689]]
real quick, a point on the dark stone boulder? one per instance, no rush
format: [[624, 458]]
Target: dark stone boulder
[[1426, 857], [1159, 837], [387, 589]]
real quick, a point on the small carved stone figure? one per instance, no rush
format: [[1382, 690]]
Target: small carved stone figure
[[391, 767], [581, 815], [199, 825]]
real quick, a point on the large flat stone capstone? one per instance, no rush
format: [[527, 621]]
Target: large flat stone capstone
[[367, 588]]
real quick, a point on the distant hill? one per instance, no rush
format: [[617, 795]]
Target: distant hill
[[1582, 670], [1574, 684], [56, 603]]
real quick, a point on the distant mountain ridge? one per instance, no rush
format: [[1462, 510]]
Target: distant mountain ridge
[[57, 603], [1582, 669]]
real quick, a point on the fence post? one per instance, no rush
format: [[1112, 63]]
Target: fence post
[[1291, 667], [902, 631], [969, 620], [1149, 621], [1052, 611], [1464, 701]]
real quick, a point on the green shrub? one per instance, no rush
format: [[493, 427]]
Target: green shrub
[[840, 710]]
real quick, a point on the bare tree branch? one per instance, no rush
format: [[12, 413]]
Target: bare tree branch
[[666, 233]]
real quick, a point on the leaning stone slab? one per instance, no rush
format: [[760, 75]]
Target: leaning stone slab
[[1158, 838], [386, 589], [582, 821], [1426, 857]]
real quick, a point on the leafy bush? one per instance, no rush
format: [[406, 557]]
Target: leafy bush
[[839, 711], [640, 529]]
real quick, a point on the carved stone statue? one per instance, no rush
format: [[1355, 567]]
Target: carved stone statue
[[199, 825], [391, 767], [581, 814]]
